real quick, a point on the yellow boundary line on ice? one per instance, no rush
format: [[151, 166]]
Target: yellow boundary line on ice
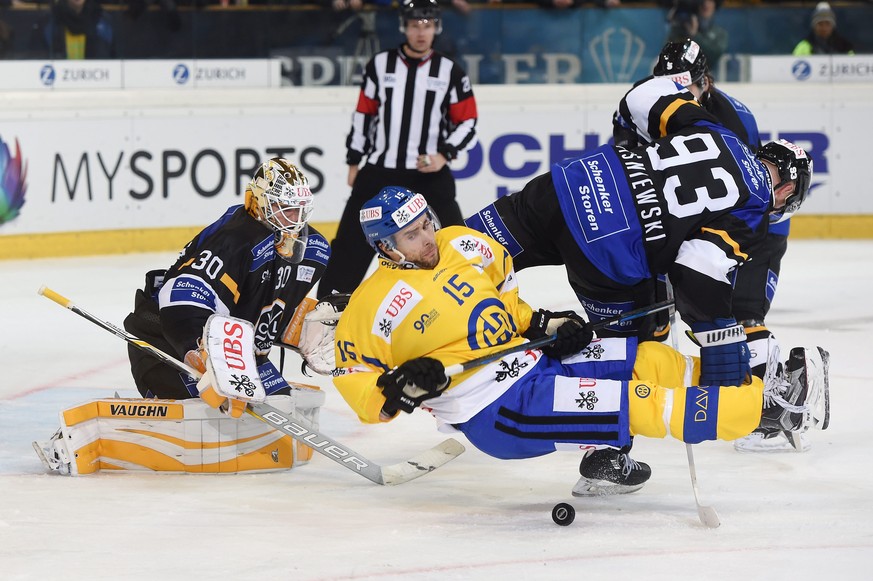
[[25, 246]]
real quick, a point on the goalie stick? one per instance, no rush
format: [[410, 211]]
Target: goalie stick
[[293, 425], [706, 514]]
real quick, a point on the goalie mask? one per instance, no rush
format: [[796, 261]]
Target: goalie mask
[[682, 62], [793, 165], [279, 196], [392, 210], [420, 10]]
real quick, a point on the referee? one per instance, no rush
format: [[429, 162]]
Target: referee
[[415, 112]]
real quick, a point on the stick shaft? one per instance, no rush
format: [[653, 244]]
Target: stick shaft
[[706, 514], [290, 424]]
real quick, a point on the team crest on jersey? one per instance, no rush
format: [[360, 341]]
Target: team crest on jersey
[[509, 370], [396, 306], [608, 349], [492, 323], [267, 326], [472, 247], [642, 390], [575, 394]]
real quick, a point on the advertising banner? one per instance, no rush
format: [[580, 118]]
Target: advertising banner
[[169, 159], [93, 75], [811, 69]]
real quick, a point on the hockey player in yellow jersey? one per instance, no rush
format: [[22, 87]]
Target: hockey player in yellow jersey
[[440, 297]]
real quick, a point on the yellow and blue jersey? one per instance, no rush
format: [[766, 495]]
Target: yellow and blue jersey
[[466, 307]]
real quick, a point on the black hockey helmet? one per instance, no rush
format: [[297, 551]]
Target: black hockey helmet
[[683, 62], [793, 165], [420, 10]]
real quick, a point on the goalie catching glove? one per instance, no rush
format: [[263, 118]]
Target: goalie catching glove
[[572, 332], [407, 386], [317, 335], [231, 378]]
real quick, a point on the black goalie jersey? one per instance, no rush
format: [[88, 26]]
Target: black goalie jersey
[[231, 268]]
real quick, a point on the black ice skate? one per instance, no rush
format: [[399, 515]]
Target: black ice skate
[[610, 471], [796, 398]]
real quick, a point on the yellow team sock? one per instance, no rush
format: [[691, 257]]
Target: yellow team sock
[[660, 404]]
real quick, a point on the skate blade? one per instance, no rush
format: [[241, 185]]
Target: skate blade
[[798, 441], [588, 487], [37, 447], [784, 442], [822, 416]]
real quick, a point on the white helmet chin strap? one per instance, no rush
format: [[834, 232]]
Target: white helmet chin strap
[[403, 263]]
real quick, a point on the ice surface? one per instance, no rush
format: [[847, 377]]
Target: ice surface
[[784, 516]]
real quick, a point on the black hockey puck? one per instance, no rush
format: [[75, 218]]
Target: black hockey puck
[[563, 514]]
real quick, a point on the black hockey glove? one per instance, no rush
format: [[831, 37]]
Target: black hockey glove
[[573, 332], [410, 384]]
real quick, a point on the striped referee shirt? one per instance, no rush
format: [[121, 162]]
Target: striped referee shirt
[[409, 107]]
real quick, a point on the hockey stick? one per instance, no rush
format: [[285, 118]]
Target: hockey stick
[[706, 514], [457, 368], [293, 425]]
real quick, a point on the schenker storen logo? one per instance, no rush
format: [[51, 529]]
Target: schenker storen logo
[[13, 181]]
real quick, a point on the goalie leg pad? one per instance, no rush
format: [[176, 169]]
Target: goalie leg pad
[[174, 436], [232, 376]]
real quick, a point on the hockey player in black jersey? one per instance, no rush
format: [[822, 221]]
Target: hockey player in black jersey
[[257, 262], [755, 283], [690, 205]]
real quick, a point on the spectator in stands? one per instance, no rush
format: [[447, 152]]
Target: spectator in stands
[[77, 29], [823, 38], [695, 19], [562, 4], [169, 8], [355, 5], [5, 40]]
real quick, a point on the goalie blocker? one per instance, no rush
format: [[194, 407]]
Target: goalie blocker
[[179, 436]]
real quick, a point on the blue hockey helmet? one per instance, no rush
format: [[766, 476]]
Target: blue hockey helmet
[[793, 165], [390, 211]]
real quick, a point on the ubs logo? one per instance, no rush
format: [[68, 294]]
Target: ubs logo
[[47, 75], [181, 74]]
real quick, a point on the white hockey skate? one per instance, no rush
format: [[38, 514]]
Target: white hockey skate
[[53, 454], [795, 400]]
